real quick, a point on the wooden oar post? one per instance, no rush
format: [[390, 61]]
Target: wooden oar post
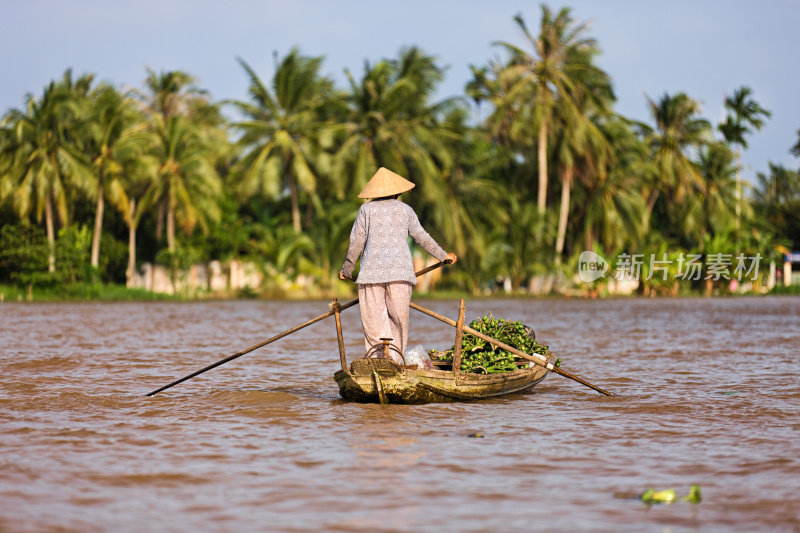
[[339, 337], [459, 337]]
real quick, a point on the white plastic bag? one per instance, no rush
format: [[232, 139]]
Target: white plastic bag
[[418, 356]]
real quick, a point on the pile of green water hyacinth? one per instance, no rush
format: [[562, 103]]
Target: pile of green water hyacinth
[[480, 357]]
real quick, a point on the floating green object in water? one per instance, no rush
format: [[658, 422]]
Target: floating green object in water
[[669, 495], [694, 495], [659, 496]]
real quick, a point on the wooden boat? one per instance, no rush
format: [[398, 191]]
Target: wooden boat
[[376, 377], [382, 380]]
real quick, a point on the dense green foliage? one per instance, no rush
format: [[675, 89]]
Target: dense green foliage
[[481, 357], [95, 181]]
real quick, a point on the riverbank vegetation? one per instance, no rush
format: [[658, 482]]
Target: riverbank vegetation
[[96, 180]]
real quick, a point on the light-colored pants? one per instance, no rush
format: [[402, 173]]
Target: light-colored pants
[[384, 313]]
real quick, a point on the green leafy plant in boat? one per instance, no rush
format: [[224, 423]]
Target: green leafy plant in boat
[[481, 357]]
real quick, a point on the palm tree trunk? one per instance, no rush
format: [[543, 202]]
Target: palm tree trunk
[[566, 189], [131, 242], [171, 227], [541, 199], [295, 205], [651, 201], [160, 219], [589, 242], [98, 224], [309, 213], [51, 236], [738, 208]]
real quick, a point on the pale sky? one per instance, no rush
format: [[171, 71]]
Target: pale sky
[[705, 48]]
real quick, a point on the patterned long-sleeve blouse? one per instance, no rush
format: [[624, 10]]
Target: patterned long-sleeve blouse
[[380, 236]]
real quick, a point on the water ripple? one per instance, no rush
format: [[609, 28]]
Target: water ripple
[[706, 394]]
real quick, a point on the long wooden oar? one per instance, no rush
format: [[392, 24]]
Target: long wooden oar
[[536, 358], [351, 303]]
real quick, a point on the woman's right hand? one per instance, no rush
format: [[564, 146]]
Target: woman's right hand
[[451, 258]]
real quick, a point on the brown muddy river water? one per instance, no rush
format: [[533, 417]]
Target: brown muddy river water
[[708, 395]]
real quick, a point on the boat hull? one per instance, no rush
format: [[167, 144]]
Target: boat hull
[[380, 380]]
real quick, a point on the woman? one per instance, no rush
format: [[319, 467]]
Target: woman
[[380, 237]]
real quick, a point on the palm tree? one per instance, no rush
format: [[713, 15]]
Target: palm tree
[[329, 236], [776, 200], [614, 212], [473, 200], [280, 130], [390, 121], [581, 145], [744, 113], [129, 194], [127, 168], [6, 157], [188, 186], [520, 255], [718, 210], [548, 76], [112, 144], [168, 94], [577, 150], [42, 155], [678, 131], [780, 186]]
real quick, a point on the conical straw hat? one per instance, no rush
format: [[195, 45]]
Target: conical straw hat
[[385, 183]]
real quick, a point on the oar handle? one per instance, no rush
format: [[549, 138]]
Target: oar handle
[[432, 267], [423, 271]]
